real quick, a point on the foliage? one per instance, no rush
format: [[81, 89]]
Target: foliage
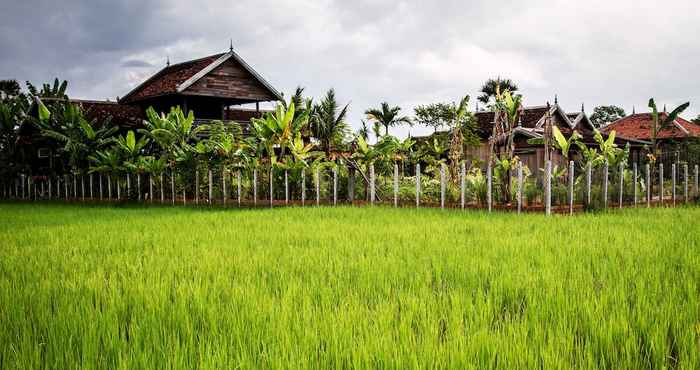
[[328, 123], [605, 114], [387, 116], [491, 87], [662, 121]]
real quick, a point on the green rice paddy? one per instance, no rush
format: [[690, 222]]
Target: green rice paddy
[[132, 287]]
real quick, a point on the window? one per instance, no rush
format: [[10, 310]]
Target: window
[[43, 153]]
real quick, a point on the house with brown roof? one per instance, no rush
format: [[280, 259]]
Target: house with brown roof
[[671, 139], [531, 125], [213, 88]]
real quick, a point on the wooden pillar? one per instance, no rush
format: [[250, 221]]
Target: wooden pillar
[[571, 187], [417, 185]]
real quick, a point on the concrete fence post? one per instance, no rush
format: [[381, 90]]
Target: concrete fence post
[[138, 184], [697, 173], [317, 183], [272, 195], [172, 185], [255, 187], [396, 185], [548, 187], [661, 183], [75, 186], [210, 177], [303, 186], [99, 178], [571, 187], [647, 169], [489, 186], [519, 195], [685, 182], [462, 184], [442, 185], [116, 183], [621, 173], [82, 187], [605, 184], [109, 188], [673, 183], [286, 186], [128, 184], [335, 186], [150, 188], [91, 188], [417, 185], [372, 183], [50, 190], [589, 169], [634, 183]]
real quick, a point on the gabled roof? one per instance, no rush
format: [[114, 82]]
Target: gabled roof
[[176, 78], [638, 126]]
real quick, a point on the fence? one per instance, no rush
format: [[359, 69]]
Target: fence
[[561, 189]]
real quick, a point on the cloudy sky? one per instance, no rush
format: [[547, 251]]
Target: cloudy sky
[[405, 52]]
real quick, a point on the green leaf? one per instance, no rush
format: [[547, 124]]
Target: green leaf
[[44, 113], [131, 140]]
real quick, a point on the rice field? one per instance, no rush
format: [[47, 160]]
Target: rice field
[[135, 287]]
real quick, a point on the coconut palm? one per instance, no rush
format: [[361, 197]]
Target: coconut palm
[[327, 122], [387, 116], [492, 86]]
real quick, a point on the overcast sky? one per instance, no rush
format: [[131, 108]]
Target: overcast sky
[[405, 52]]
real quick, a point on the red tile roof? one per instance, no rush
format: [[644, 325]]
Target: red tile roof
[[638, 126], [167, 80], [119, 114]]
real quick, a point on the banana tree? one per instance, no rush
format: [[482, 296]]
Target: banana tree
[[660, 122]]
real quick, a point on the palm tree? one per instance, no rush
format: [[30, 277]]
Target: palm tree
[[491, 87], [363, 132], [328, 123], [387, 116]]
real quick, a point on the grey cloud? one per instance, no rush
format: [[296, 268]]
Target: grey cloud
[[407, 52]]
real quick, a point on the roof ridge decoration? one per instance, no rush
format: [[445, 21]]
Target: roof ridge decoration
[[553, 109], [196, 77]]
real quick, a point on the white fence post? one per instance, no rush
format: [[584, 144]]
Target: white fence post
[[75, 186], [286, 186], [372, 185], [396, 185], [150, 188], [588, 183], [272, 195], [317, 183], [442, 185], [673, 183], [647, 169], [172, 185], [138, 184], [520, 187], [634, 183], [303, 186], [255, 187], [548, 187], [335, 186], [462, 184], [109, 188], [128, 184], [119, 195], [91, 188], [210, 177], [661, 183], [238, 185], [605, 184], [417, 185], [571, 187], [685, 182], [82, 187], [621, 173], [697, 172], [489, 183]]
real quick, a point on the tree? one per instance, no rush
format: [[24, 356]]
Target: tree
[[605, 114], [9, 87], [436, 115], [660, 122], [328, 123], [387, 116], [491, 87]]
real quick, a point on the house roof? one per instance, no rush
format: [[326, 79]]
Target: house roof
[[119, 114], [176, 78], [638, 126]]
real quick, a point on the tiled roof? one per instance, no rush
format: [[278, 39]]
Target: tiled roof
[[638, 126], [120, 115], [167, 80]]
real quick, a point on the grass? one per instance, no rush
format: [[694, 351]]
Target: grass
[[109, 287]]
